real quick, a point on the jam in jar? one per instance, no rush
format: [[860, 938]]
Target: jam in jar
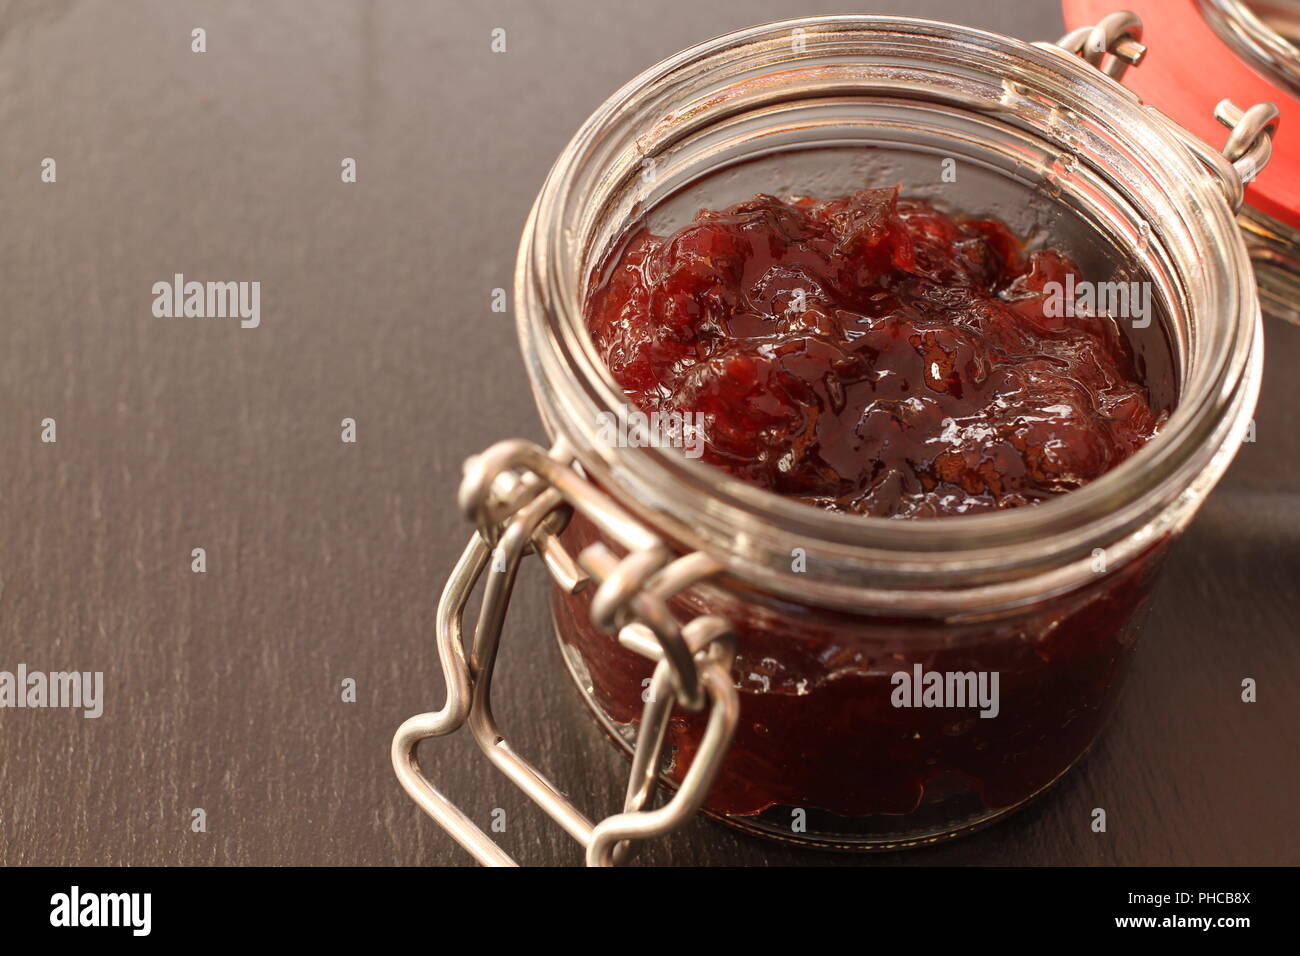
[[869, 354]]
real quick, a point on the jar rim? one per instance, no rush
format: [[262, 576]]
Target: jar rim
[[861, 558]]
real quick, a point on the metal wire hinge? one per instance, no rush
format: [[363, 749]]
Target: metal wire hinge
[[520, 497], [1115, 43]]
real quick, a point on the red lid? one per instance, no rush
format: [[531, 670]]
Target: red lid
[[1187, 70]]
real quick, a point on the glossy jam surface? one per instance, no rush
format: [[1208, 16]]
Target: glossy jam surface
[[871, 355]]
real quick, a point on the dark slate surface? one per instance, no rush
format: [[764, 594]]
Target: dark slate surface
[[325, 558]]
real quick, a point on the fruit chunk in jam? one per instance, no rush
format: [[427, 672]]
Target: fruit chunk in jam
[[869, 354]]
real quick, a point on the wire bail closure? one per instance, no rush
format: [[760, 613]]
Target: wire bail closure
[[1112, 46], [1115, 43], [520, 497]]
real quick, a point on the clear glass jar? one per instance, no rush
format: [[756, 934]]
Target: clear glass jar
[[827, 607], [1042, 142]]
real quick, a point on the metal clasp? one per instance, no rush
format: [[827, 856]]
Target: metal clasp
[[519, 496], [1250, 144], [1114, 44]]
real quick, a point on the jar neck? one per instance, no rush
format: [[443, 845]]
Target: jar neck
[[708, 107]]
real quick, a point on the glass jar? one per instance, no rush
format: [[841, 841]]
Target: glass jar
[[811, 615]]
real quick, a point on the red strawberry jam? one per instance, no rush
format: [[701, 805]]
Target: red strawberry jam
[[869, 354]]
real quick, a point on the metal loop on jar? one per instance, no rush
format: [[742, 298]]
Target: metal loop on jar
[[1250, 144], [624, 597], [1119, 34]]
